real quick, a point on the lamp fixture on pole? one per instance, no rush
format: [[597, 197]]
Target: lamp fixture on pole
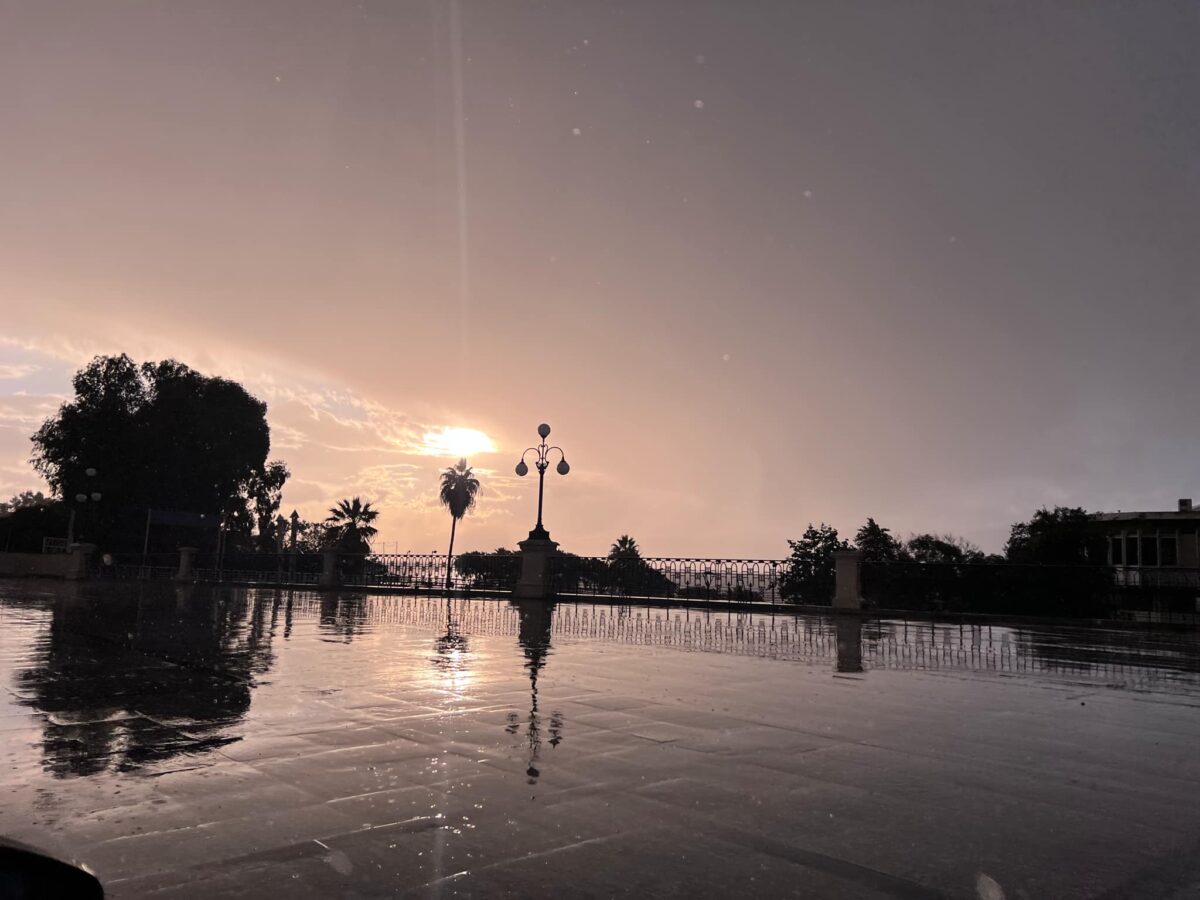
[[81, 497], [542, 462]]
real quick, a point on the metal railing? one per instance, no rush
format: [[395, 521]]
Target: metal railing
[[144, 566], [258, 568], [1137, 594], [729, 580], [490, 572]]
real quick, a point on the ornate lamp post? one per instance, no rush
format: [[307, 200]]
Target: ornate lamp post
[[80, 499], [538, 550], [542, 462]]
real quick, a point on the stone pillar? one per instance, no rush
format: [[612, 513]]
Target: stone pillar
[[329, 569], [187, 559], [847, 593], [79, 561], [536, 554]]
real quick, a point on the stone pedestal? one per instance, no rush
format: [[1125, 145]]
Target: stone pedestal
[[329, 569], [187, 560], [847, 592], [79, 561], [536, 553]]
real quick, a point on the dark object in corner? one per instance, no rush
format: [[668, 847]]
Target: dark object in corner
[[26, 874]]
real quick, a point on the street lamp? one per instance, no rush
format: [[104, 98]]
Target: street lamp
[[81, 497], [542, 462]]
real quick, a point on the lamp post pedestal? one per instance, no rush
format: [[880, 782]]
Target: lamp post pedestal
[[187, 559], [329, 570], [79, 561], [847, 579], [536, 553]]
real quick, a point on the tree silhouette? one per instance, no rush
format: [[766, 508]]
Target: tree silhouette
[[264, 491], [809, 575], [350, 528], [1062, 536], [624, 547], [25, 500], [159, 436], [457, 494], [877, 543], [942, 548], [631, 574], [499, 569]]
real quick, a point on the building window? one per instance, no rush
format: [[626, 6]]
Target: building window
[[1117, 550], [1131, 550], [1170, 551], [1150, 550]]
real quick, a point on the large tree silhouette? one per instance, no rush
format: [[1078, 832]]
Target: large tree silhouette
[[1061, 536], [158, 436]]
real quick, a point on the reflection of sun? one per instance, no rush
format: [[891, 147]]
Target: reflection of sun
[[450, 668], [457, 442]]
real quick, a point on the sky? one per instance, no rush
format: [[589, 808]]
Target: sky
[[757, 264]]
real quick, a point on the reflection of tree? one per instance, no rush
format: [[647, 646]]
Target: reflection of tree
[[127, 680], [451, 647], [1111, 653], [342, 616], [536, 617]]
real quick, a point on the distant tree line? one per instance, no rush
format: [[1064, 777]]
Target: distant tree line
[[623, 571], [946, 572]]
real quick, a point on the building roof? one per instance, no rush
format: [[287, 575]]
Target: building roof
[[1173, 516]]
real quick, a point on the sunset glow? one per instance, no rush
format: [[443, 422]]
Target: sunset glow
[[464, 442], [744, 302]]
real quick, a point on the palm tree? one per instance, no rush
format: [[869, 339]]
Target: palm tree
[[625, 548], [459, 487], [350, 525]]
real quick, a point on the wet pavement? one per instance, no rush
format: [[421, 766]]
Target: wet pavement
[[200, 742]]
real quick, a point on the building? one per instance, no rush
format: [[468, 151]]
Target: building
[[1146, 540]]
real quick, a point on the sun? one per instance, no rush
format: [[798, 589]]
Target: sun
[[457, 442]]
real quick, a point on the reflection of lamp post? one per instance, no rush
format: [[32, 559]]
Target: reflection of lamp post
[[542, 462], [81, 498], [534, 638]]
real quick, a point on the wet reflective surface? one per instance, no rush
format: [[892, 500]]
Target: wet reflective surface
[[188, 742]]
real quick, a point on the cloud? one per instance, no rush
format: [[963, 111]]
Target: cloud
[[27, 411], [57, 347], [285, 437], [14, 371]]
